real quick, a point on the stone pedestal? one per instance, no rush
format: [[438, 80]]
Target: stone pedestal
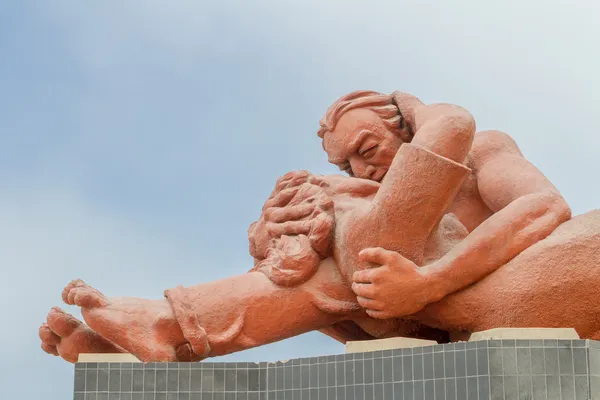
[[492, 369]]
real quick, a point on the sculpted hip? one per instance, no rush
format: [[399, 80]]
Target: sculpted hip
[[551, 284]]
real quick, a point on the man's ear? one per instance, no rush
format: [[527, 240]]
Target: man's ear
[[405, 132], [406, 135], [407, 104]]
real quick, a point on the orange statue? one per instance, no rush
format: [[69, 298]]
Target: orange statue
[[441, 231]]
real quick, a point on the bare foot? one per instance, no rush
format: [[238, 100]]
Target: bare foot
[[65, 336], [146, 328]]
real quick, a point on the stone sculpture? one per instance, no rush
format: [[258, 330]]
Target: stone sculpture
[[441, 232]]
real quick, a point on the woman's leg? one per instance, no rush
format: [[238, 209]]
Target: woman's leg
[[216, 318], [249, 310]]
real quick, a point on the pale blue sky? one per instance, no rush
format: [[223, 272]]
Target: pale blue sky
[[138, 140]]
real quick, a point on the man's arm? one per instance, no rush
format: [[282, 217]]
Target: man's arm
[[422, 180], [527, 209], [447, 130]]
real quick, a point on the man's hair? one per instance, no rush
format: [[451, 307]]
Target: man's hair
[[384, 105]]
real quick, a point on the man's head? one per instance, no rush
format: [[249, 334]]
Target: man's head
[[362, 131]]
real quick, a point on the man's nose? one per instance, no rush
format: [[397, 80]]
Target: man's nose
[[362, 169]]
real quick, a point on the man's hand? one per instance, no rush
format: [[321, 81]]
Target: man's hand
[[395, 287]]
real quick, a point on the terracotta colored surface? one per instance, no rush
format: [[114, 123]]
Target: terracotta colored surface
[[461, 234], [64, 335]]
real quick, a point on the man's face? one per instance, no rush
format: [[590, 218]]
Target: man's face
[[361, 145]]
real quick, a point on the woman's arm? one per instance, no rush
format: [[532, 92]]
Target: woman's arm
[[422, 181]]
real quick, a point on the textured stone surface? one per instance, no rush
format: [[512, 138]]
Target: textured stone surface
[[497, 369], [446, 232]]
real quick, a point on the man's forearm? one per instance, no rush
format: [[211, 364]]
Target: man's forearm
[[500, 238]]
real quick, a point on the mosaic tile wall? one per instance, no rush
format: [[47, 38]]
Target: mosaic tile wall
[[506, 369]]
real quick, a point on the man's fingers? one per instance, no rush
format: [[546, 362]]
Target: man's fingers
[[289, 228], [289, 213], [365, 290], [378, 255], [370, 304], [378, 314], [366, 275]]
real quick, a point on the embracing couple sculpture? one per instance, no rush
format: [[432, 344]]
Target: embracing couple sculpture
[[436, 233]]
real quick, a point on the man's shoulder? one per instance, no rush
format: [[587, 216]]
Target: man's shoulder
[[491, 144]]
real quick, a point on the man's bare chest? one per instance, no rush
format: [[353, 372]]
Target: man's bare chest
[[468, 205]]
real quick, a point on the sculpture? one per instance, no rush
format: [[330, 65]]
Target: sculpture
[[448, 262]]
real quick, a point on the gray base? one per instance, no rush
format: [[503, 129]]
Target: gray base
[[495, 369]]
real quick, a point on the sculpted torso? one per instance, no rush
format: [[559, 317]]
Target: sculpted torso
[[499, 173], [504, 202], [446, 230], [508, 208]]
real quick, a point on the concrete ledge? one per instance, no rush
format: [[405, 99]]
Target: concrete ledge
[[362, 346], [525, 333], [107, 357]]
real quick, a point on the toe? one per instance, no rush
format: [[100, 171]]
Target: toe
[[48, 337], [61, 323], [88, 298], [71, 296], [49, 349], [81, 294], [67, 290]]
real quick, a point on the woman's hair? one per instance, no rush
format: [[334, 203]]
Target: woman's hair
[[384, 105], [291, 260]]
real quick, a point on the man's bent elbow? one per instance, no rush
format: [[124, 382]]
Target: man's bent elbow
[[446, 129], [462, 125]]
